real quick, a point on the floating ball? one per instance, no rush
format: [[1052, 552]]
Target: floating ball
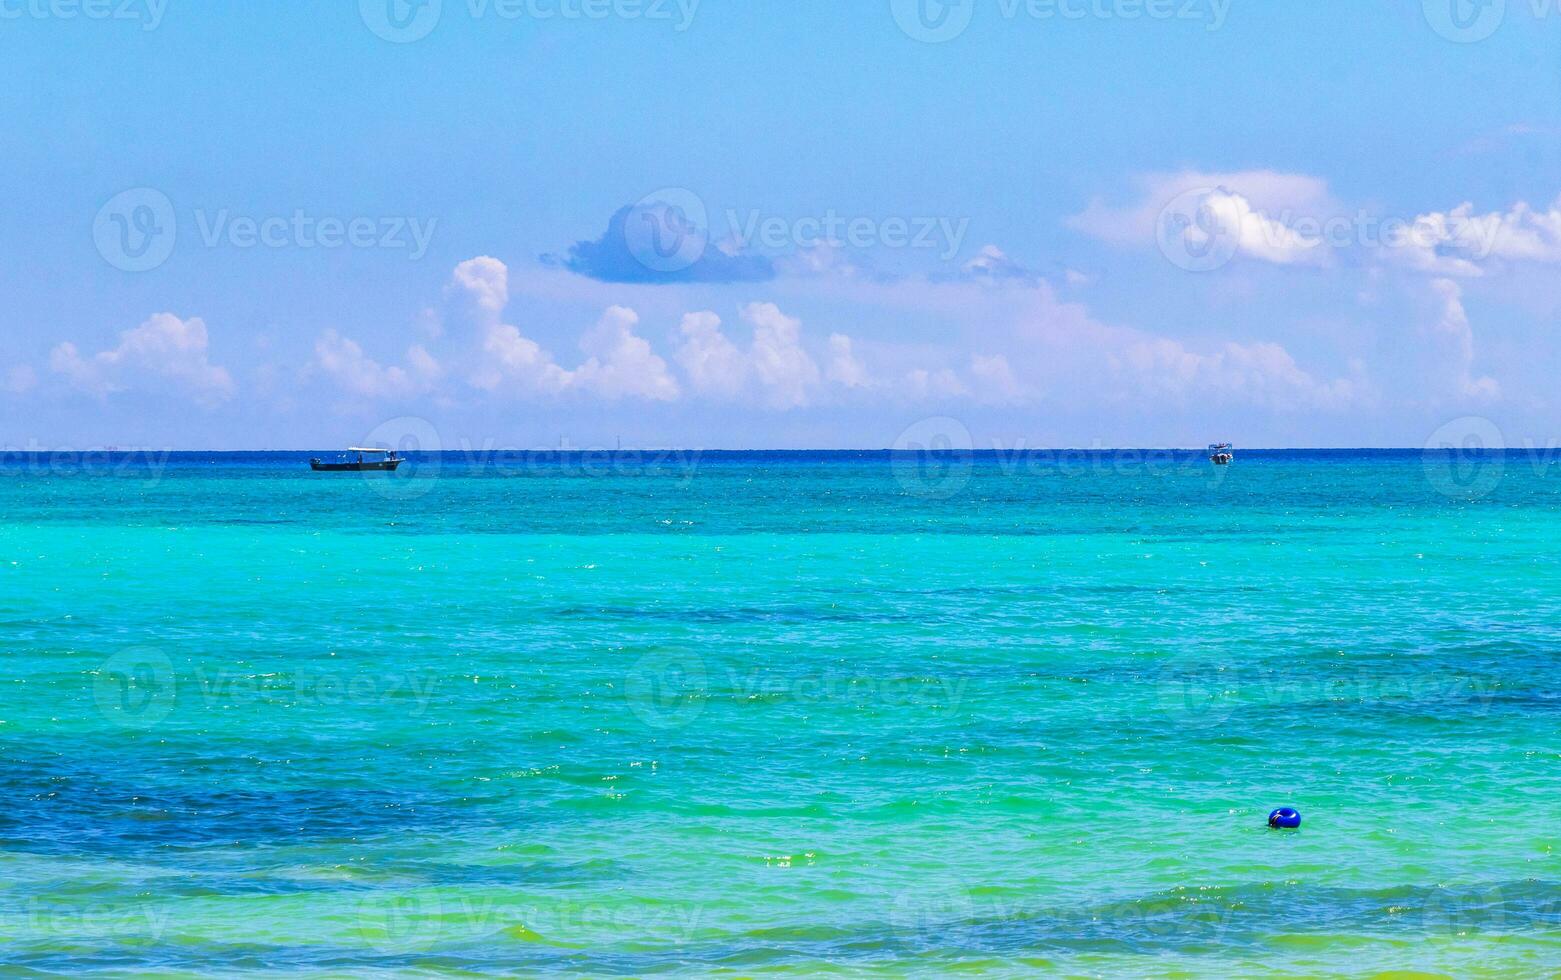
[[1285, 818]]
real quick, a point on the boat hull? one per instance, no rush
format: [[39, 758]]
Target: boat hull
[[368, 466]]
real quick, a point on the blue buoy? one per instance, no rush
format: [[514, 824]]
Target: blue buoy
[[1285, 818]]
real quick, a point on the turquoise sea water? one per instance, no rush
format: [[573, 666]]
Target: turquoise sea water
[[782, 714]]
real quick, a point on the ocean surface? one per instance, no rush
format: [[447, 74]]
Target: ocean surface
[[782, 713]]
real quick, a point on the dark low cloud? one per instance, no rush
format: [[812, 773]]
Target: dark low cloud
[[660, 243]]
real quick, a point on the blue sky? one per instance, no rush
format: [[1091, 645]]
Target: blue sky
[[1053, 223]]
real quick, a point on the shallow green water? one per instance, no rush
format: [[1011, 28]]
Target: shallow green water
[[782, 714]]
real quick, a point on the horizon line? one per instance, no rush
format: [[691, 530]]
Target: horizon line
[[972, 451]]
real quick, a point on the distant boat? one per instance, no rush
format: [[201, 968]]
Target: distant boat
[[369, 460], [1220, 453]]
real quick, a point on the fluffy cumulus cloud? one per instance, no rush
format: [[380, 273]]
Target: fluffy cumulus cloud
[[1261, 374], [995, 334], [163, 349], [1292, 219], [508, 358], [1056, 350], [713, 363], [1263, 214], [994, 381], [1453, 340], [845, 368], [355, 373], [621, 363], [784, 368], [483, 282], [774, 363], [517, 362], [1461, 243], [933, 384]]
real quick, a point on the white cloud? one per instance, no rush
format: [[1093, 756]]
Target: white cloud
[[1461, 243], [1056, 347], [346, 364], [1031, 342], [484, 281], [1291, 219], [1263, 374], [712, 363], [785, 370], [518, 362], [775, 363], [1455, 344], [353, 371], [163, 347], [19, 380], [994, 380], [992, 263], [1259, 208], [508, 359], [844, 368], [943, 383], [424, 365], [622, 364], [619, 363]]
